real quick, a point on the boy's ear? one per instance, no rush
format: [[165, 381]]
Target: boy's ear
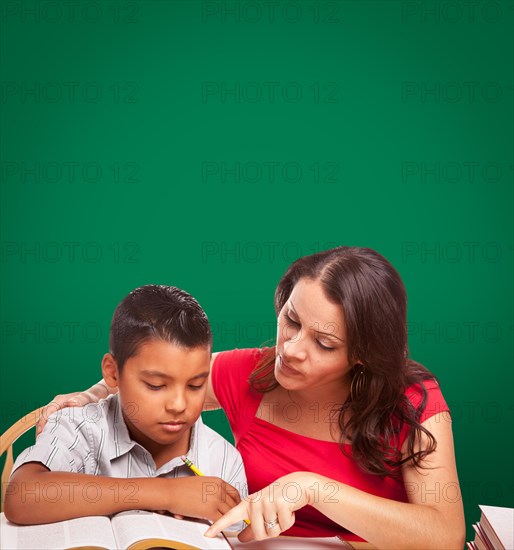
[[110, 370]]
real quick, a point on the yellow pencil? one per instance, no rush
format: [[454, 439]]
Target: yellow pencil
[[197, 472], [191, 466]]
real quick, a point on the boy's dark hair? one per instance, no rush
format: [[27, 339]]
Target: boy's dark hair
[[157, 312]]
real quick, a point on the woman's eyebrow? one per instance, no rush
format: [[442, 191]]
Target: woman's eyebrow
[[329, 334]]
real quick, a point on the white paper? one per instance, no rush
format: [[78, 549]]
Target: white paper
[[138, 525], [90, 531]]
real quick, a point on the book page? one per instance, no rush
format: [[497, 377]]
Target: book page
[[91, 531], [135, 525], [502, 522]]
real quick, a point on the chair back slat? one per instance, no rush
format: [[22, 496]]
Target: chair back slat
[[7, 440], [6, 472]]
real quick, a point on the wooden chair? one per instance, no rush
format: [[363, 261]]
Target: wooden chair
[[7, 440]]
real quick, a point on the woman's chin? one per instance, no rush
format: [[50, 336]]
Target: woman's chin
[[285, 381]]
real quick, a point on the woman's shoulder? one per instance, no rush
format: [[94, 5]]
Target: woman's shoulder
[[239, 358], [233, 367], [242, 352], [427, 395], [230, 374], [416, 388]]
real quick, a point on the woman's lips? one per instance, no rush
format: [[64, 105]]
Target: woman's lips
[[286, 369]]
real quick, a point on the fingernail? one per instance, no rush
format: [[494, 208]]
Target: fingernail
[[207, 533]]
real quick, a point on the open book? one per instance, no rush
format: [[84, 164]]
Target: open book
[[133, 530]]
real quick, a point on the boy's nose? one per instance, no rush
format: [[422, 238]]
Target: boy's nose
[[176, 403]]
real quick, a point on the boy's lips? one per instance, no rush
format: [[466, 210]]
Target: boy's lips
[[172, 426]]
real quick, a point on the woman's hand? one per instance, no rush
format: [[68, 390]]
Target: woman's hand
[[74, 399], [271, 510]]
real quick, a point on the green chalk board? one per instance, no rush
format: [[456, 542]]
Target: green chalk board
[[209, 144]]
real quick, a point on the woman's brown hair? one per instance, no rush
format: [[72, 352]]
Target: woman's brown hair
[[374, 303]]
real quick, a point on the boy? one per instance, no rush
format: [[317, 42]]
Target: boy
[[160, 348]]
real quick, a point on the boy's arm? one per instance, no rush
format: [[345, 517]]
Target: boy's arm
[[53, 480], [36, 495]]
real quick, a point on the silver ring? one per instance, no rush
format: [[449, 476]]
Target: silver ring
[[271, 524]]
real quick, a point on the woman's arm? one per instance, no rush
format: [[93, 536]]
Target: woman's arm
[[36, 495], [100, 391], [211, 402], [433, 517]]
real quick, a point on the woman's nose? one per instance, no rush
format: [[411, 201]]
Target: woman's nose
[[294, 347]]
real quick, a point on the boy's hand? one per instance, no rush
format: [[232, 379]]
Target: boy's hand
[[203, 497]]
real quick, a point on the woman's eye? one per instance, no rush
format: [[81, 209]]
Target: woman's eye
[[324, 347], [290, 321], [152, 387], [296, 324]]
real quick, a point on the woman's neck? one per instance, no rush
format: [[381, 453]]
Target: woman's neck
[[314, 413], [335, 394]]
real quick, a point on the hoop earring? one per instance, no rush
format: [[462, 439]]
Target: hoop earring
[[358, 383]]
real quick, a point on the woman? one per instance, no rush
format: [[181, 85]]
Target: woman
[[340, 433]]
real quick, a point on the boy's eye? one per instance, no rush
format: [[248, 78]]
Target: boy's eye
[[195, 388], [152, 387]]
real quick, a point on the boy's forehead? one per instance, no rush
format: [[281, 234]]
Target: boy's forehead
[[168, 358]]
